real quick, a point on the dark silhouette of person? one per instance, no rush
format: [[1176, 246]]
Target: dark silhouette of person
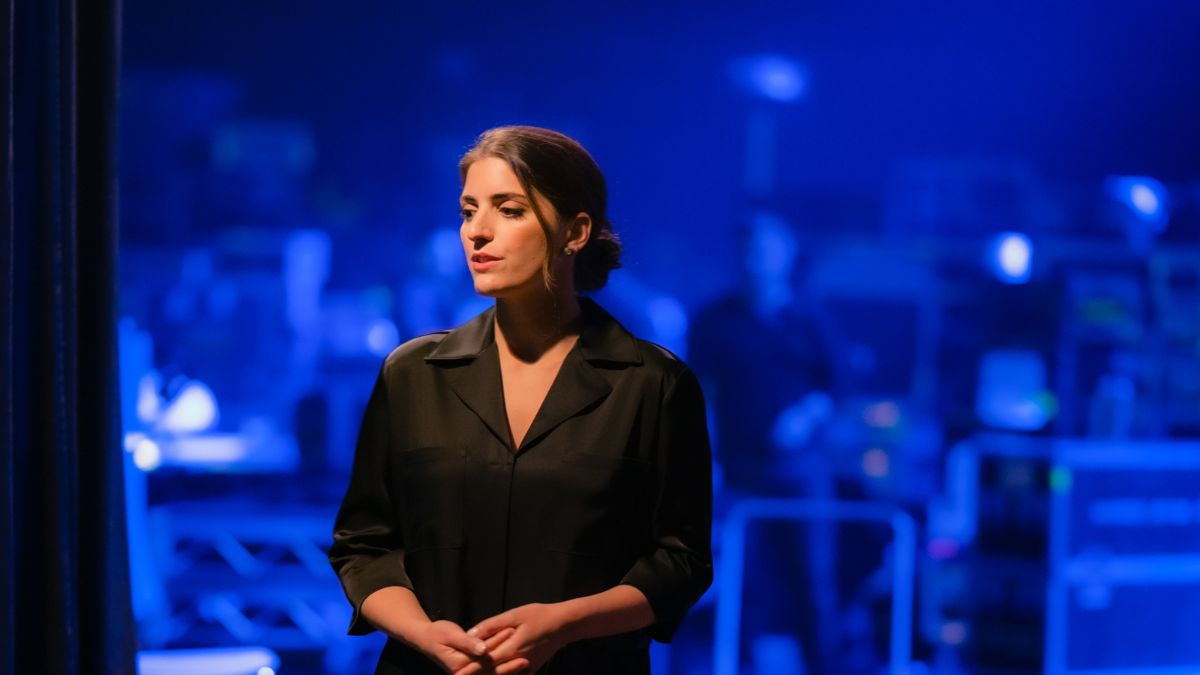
[[764, 359]]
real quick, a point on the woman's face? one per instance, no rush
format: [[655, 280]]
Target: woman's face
[[504, 242]]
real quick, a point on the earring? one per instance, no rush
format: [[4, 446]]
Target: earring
[[568, 250]]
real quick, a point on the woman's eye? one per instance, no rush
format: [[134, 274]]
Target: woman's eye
[[511, 212], [465, 214]]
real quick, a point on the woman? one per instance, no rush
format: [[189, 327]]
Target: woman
[[532, 489]]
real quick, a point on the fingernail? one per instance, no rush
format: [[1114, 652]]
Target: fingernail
[[480, 648], [473, 632]]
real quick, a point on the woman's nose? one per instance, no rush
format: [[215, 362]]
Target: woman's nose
[[479, 228]]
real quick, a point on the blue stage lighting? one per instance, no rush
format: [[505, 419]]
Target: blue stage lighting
[[147, 456], [193, 409], [1145, 197], [1011, 257], [1012, 390], [209, 661], [771, 76], [382, 337]]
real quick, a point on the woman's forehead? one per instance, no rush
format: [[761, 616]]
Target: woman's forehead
[[492, 173]]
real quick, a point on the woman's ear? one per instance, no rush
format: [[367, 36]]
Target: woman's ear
[[579, 231]]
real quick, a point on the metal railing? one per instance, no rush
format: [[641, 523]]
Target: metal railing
[[730, 575]]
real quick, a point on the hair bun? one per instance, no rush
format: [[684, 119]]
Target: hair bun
[[601, 255]]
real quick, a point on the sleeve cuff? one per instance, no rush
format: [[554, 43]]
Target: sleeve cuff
[[671, 586]]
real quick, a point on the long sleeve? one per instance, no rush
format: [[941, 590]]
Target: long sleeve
[[679, 569], [367, 551]]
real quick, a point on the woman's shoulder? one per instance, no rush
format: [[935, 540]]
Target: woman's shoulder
[[662, 364], [465, 341], [609, 338], [413, 351], [658, 357]]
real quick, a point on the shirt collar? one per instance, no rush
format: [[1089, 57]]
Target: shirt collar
[[602, 339]]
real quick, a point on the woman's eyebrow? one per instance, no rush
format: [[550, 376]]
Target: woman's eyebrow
[[496, 198]]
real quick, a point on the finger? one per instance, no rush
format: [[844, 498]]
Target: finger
[[488, 627], [454, 660], [508, 650], [455, 638], [479, 663], [472, 668], [499, 638], [455, 663], [514, 666]]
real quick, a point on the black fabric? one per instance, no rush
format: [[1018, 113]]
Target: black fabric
[[65, 575], [611, 485]]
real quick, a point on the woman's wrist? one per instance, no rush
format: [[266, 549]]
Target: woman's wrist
[[414, 633], [395, 611], [571, 618], [618, 610]]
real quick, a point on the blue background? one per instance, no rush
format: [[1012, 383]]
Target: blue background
[[284, 165]]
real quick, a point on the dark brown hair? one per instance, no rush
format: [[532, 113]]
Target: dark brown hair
[[561, 170]]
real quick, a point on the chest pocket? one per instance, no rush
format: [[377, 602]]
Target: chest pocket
[[430, 509], [602, 505]]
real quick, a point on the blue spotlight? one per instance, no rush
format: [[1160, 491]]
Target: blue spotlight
[[771, 76], [193, 409], [147, 455], [208, 661], [1011, 257], [382, 336], [1145, 197]]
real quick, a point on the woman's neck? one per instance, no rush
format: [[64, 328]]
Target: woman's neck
[[530, 326]]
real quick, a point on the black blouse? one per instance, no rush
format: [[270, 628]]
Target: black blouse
[[611, 485]]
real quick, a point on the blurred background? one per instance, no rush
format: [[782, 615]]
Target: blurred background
[[937, 265]]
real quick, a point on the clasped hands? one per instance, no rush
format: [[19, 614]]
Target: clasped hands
[[520, 640]]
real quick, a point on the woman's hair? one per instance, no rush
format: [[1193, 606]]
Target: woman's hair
[[561, 170]]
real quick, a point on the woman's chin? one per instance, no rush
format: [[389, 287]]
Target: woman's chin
[[494, 288], [490, 290]]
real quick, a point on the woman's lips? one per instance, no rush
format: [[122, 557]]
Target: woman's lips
[[483, 262]]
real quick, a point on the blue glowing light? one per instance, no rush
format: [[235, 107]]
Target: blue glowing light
[[306, 256], [1012, 390], [209, 661], [147, 456], [1012, 257], [771, 76], [149, 403], [876, 463], [382, 336], [670, 322], [942, 548], [953, 632], [193, 409], [209, 449], [1145, 197], [882, 415]]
